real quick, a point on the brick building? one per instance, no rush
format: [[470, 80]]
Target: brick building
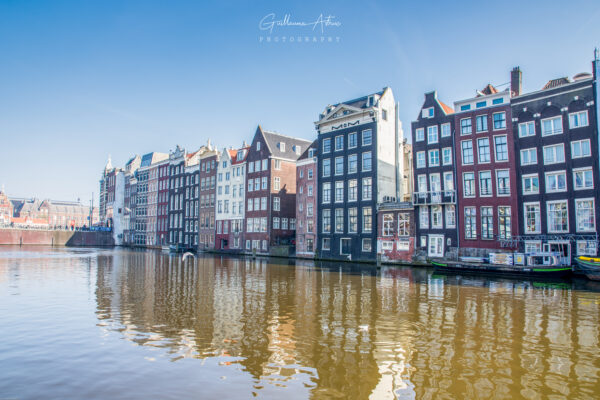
[[162, 210], [271, 190], [396, 231], [208, 193], [306, 202], [6, 208]]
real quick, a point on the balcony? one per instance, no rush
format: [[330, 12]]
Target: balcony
[[434, 197]]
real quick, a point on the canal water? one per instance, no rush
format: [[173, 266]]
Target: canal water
[[122, 324]]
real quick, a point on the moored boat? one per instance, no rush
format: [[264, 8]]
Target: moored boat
[[588, 266]]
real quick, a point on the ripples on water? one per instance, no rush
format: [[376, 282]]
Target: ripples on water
[[86, 323]]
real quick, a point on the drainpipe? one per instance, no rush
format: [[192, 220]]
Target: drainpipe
[[397, 151]]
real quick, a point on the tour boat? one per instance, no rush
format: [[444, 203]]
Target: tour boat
[[588, 266]]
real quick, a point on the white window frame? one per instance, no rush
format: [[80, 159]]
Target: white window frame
[[419, 134], [526, 125], [555, 173], [573, 119], [496, 149], [432, 131], [554, 130], [526, 177], [548, 203], [448, 132], [422, 164], [447, 150], [539, 215], [584, 169], [532, 150], [498, 186], [554, 146], [580, 142], [592, 228], [494, 122], [432, 152]]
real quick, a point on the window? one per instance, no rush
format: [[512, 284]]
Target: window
[[580, 148], [352, 140], [446, 130], [309, 209], [326, 221], [310, 190], [421, 163], [448, 181], [339, 220], [257, 184], [403, 224], [483, 150], [533, 219], [578, 119], [427, 112], [352, 220], [499, 120], [367, 220], [424, 217], [465, 126], [264, 163], [326, 244], [533, 246], [352, 163], [339, 165], [339, 143], [434, 158], [504, 222], [264, 183], [384, 115], [556, 182], [531, 184], [432, 134], [387, 245], [339, 192], [276, 203], [467, 152], [326, 192], [481, 104], [554, 154], [469, 184], [586, 248], [450, 216], [366, 245], [501, 148], [485, 183], [552, 126], [583, 179], [250, 167], [487, 222], [526, 129], [481, 123], [585, 215], [529, 156], [388, 224], [278, 164], [326, 146], [470, 223], [352, 190], [366, 161], [326, 167], [420, 134], [503, 182], [367, 187], [367, 137], [447, 156], [436, 217], [558, 216], [257, 146]]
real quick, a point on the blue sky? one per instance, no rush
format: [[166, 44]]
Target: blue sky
[[82, 79]]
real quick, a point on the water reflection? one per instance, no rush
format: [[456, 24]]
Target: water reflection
[[353, 332]]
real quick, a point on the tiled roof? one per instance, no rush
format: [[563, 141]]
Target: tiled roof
[[313, 145], [293, 146], [447, 109], [556, 82], [361, 102], [488, 89], [234, 155]]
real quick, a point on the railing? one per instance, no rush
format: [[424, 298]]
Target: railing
[[434, 197]]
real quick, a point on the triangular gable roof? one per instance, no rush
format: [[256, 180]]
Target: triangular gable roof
[[272, 139], [446, 108]]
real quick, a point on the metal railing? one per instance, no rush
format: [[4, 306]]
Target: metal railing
[[434, 197]]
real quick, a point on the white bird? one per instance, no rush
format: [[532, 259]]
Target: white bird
[[186, 255]]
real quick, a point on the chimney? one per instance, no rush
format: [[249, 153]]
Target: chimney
[[516, 78]]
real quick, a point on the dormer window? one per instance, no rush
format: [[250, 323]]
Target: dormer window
[[370, 101], [257, 146], [281, 146], [427, 113], [298, 150], [346, 112], [311, 153]]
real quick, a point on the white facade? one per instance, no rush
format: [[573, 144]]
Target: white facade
[[231, 181], [119, 209]]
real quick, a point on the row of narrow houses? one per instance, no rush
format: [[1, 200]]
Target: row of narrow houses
[[501, 171]]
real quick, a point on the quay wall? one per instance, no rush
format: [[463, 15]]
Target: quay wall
[[55, 237]]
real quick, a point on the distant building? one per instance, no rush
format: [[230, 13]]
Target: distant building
[[306, 202], [6, 208]]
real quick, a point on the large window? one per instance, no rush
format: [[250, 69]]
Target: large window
[[533, 219], [469, 184], [388, 224], [366, 161], [446, 130], [367, 220], [367, 188], [352, 190], [352, 220], [432, 134], [585, 214], [448, 181], [531, 184], [578, 119], [421, 162], [583, 178], [504, 222], [447, 156], [483, 150], [326, 167], [552, 126], [424, 217], [554, 154], [580, 148], [501, 148], [327, 192], [470, 223], [487, 222], [339, 192], [326, 221], [503, 182], [339, 220], [326, 244], [352, 163], [420, 134], [529, 156], [367, 137], [326, 145], [465, 126], [339, 165], [527, 129], [436, 217], [499, 120], [485, 183], [403, 224], [558, 216], [352, 140], [467, 152], [339, 143], [450, 216], [556, 181], [481, 123], [434, 158]]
